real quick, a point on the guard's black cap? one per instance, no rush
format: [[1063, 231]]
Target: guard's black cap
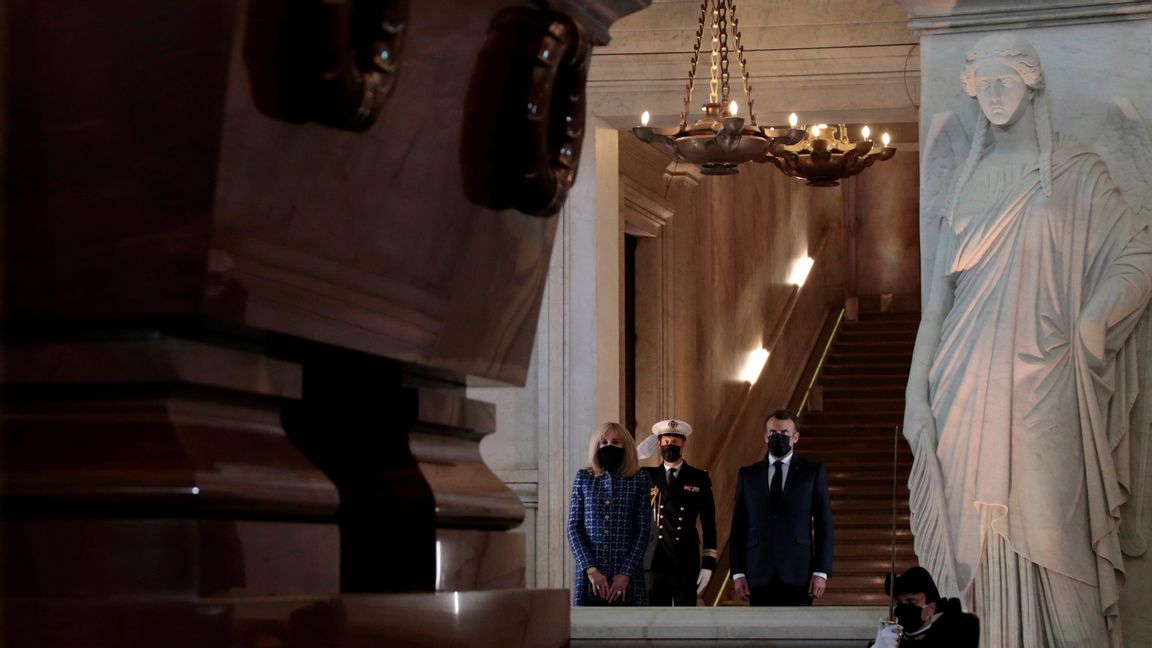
[[915, 580]]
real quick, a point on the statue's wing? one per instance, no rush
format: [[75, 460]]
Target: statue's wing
[[944, 148], [1126, 147]]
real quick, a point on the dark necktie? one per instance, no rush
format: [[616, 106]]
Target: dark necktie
[[776, 489], [671, 478]]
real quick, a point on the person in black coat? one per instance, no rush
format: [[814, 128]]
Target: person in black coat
[[925, 619], [781, 540], [681, 494]]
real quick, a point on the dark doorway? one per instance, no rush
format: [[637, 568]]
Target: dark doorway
[[630, 243]]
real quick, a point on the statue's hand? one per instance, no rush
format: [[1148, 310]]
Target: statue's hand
[[1093, 330], [919, 424]]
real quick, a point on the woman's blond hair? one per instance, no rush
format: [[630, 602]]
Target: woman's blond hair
[[630, 465]]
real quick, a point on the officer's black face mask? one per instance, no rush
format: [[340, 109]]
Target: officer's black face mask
[[671, 453], [611, 457], [779, 444], [910, 616]]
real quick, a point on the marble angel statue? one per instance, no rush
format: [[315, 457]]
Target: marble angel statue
[[1025, 376]]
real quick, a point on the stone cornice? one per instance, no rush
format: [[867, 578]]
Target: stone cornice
[[927, 17]]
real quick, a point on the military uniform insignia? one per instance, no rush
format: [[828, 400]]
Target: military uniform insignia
[[691, 489]]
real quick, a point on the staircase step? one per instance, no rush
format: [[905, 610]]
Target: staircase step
[[877, 451], [885, 325], [852, 419], [863, 436], [868, 519], [869, 356], [833, 367], [882, 344], [854, 598], [855, 381], [876, 505], [860, 478], [863, 405], [871, 536], [876, 426], [865, 490], [838, 391], [860, 582], [855, 334], [865, 566], [882, 467], [904, 552]]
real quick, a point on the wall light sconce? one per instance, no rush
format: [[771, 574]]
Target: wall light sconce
[[799, 271], [753, 366]]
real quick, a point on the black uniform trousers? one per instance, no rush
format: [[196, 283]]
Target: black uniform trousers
[[669, 583]]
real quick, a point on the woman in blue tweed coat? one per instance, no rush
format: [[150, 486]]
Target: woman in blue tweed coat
[[609, 519]]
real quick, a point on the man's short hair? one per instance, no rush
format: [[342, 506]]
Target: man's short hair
[[782, 415], [916, 580]]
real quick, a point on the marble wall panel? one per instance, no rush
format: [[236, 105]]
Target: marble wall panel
[[1092, 54]]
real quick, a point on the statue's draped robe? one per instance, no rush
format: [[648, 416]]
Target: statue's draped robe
[[1020, 509]]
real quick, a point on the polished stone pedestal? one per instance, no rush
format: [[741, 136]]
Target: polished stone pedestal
[[731, 627], [496, 618]]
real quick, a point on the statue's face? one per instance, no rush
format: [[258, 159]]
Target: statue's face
[[1002, 94]]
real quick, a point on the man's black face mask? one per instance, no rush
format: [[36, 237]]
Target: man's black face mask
[[779, 444], [910, 616]]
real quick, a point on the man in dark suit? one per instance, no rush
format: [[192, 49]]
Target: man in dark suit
[[781, 540], [681, 494]]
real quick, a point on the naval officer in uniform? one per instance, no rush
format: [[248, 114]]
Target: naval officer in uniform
[[676, 569]]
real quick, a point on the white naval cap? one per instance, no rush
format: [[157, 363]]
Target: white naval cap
[[672, 426], [647, 447]]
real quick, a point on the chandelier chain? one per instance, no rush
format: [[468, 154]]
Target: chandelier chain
[[743, 67], [692, 68], [714, 72], [724, 50]]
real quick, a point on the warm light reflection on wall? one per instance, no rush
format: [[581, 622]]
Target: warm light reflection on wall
[[754, 365], [438, 566], [800, 269]]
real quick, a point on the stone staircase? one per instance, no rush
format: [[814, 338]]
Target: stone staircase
[[858, 401]]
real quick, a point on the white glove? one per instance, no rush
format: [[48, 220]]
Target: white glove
[[702, 580], [887, 637]]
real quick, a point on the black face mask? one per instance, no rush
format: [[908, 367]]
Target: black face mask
[[611, 457], [909, 615], [671, 453], [779, 444]]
